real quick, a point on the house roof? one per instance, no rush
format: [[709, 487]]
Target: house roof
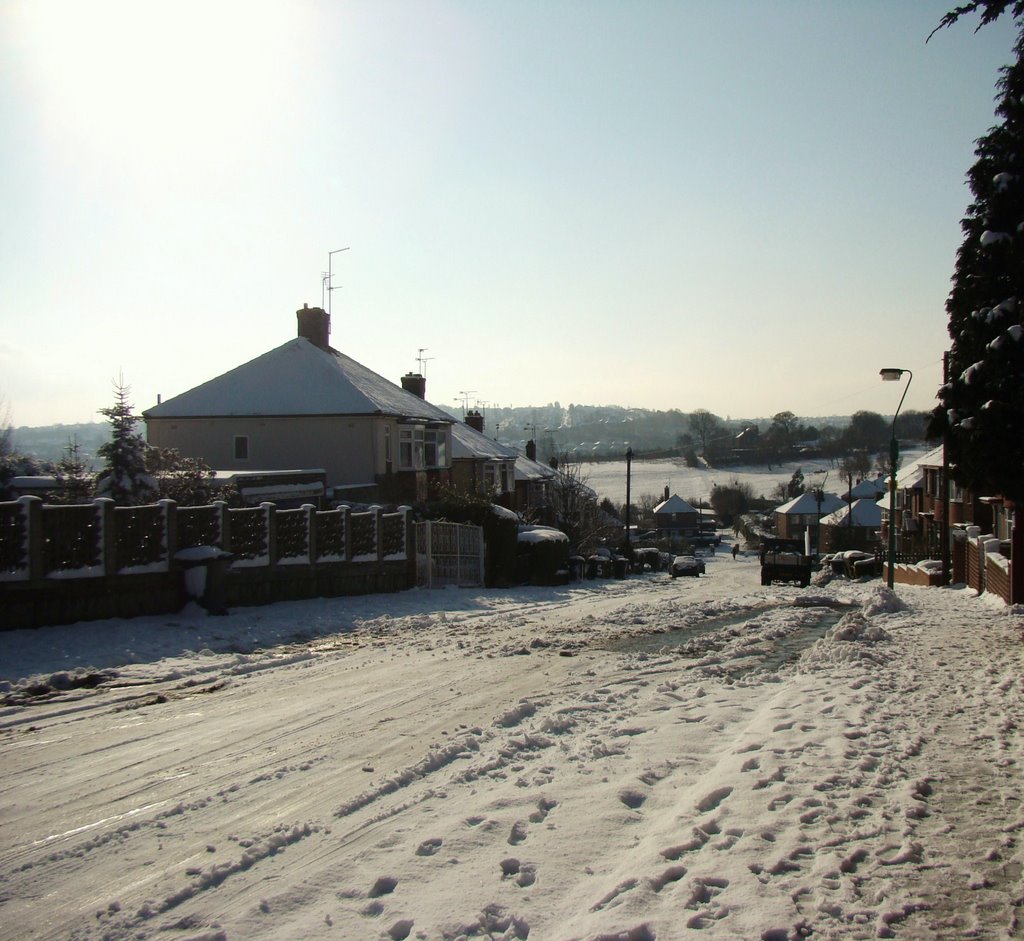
[[869, 489], [865, 512], [298, 378], [674, 504], [470, 444], [528, 469], [807, 504]]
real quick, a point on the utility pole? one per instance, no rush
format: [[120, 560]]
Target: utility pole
[[945, 556]]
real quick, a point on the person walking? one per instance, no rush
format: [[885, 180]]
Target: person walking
[[735, 551]]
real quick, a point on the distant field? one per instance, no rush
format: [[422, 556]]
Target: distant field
[[652, 477]]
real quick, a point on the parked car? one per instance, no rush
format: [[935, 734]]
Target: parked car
[[687, 565]]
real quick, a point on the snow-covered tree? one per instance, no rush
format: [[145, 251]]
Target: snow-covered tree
[[124, 478], [74, 483], [982, 403]]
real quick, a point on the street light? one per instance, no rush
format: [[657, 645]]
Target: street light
[[891, 374], [629, 461]]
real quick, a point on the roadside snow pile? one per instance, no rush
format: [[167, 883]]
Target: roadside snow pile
[[883, 601], [851, 640]]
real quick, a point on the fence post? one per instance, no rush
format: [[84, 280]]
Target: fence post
[[310, 531], [270, 522], [33, 510], [408, 528], [481, 552], [223, 525], [429, 553], [104, 508], [378, 531], [346, 523], [170, 514]]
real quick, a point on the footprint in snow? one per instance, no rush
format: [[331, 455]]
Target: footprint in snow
[[712, 800], [429, 847], [633, 799], [385, 885], [544, 806], [525, 873], [518, 833]]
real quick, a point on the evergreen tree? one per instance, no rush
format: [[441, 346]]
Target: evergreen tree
[[72, 475], [124, 478], [796, 484], [982, 403]]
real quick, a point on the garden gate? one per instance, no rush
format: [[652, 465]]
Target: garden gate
[[449, 554]]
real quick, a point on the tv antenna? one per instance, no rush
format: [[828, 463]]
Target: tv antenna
[[466, 393], [329, 275], [423, 360]]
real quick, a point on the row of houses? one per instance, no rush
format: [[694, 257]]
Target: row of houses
[[304, 423], [923, 519]]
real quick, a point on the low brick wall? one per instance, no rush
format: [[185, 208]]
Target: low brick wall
[[912, 575]]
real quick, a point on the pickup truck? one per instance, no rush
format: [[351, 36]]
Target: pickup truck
[[783, 560]]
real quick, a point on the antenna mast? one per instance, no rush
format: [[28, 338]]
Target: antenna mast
[[329, 275], [466, 393], [423, 360]]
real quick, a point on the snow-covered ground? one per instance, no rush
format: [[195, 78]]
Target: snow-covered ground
[[639, 759], [608, 478]]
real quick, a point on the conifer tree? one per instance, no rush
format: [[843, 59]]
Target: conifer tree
[[72, 475], [124, 478], [982, 402]]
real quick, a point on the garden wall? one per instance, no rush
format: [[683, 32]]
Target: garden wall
[[61, 564]]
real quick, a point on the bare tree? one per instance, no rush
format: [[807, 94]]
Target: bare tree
[[576, 507]]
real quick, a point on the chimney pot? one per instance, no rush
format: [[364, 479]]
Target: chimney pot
[[475, 420], [415, 383]]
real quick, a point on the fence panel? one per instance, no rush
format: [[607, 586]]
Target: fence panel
[[449, 554], [364, 536], [249, 537], [199, 526], [330, 535], [72, 541], [291, 536], [14, 549], [141, 533]]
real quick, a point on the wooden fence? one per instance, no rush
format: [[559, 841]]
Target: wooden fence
[[60, 564]]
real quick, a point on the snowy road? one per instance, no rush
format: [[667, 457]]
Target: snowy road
[[524, 764]]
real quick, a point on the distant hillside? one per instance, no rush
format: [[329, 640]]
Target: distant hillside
[[47, 443]]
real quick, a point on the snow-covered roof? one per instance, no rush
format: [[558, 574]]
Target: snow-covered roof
[[298, 378], [468, 443], [868, 489], [529, 469], [865, 513], [674, 504], [906, 475], [807, 503]]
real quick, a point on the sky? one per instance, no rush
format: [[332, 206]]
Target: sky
[[737, 206]]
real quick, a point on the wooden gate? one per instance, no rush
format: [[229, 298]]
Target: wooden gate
[[449, 554]]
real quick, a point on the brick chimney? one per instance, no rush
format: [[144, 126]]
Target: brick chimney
[[315, 325], [415, 383], [475, 420], [531, 449]]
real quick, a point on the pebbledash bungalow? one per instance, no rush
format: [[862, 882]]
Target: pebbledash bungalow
[[305, 406]]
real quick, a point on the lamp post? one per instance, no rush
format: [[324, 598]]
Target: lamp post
[[629, 461], [892, 374]]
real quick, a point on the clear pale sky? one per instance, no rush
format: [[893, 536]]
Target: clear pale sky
[[733, 205]]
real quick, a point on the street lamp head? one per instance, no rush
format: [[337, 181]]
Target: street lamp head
[[892, 374]]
